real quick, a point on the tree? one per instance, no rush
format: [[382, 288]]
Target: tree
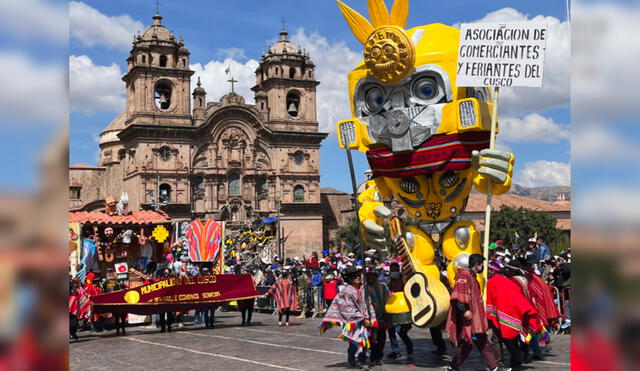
[[509, 221]]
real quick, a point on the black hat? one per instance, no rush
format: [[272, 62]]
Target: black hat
[[351, 271]]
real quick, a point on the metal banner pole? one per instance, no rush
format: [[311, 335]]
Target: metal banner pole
[[487, 214]]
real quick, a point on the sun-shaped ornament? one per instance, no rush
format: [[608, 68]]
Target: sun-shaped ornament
[[388, 54], [160, 233]]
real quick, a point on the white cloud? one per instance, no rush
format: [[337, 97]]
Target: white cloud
[[94, 28], [593, 143], [532, 128], [333, 63], [544, 173], [232, 53], [33, 93], [604, 60], [608, 204], [214, 79], [35, 19], [556, 82], [93, 87]]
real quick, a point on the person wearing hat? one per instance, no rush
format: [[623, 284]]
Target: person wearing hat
[[354, 315], [378, 295], [533, 253], [508, 312], [398, 315], [467, 320]]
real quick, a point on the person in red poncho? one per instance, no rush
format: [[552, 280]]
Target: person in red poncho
[[509, 313], [284, 293], [467, 321]]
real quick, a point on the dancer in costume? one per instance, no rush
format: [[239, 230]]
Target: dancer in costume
[[349, 310], [398, 318], [284, 292], [509, 313], [378, 296], [467, 321], [426, 142]]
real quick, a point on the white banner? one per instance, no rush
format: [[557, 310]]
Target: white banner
[[501, 54]]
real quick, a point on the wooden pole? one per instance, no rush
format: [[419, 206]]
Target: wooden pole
[[487, 214]]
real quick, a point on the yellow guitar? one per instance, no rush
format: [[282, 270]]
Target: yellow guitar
[[427, 297]]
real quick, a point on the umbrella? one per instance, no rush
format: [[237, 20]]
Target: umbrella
[[269, 220]]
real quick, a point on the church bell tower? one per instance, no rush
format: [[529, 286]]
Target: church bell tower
[[285, 83], [158, 78]]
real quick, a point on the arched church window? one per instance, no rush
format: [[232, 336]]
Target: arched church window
[[298, 157], [163, 61], [310, 74], [162, 95], [165, 193], [144, 59], [293, 103], [298, 193], [261, 188], [198, 183], [122, 154], [164, 153], [292, 72], [234, 183]]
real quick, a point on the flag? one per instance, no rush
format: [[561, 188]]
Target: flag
[[227, 70], [204, 240], [517, 236]]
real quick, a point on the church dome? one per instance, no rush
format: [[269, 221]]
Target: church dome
[[110, 134], [261, 94], [157, 32], [284, 46]]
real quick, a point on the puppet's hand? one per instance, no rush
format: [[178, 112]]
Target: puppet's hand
[[495, 166], [371, 214]]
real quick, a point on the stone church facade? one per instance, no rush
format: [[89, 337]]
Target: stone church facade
[[228, 160]]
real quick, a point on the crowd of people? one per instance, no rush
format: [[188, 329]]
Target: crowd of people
[[331, 285]]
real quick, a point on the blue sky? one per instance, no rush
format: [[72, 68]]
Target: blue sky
[[241, 30]]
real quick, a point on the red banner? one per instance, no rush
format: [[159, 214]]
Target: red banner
[[177, 294]]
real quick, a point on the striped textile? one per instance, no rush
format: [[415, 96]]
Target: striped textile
[[348, 310], [541, 298], [285, 294], [204, 240], [440, 152], [508, 309]]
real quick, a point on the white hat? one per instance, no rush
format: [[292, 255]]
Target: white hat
[[296, 258], [532, 240]]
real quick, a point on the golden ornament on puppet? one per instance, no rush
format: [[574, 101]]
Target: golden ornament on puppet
[[426, 141]]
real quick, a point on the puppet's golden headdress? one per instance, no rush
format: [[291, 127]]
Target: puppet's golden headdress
[[389, 54]]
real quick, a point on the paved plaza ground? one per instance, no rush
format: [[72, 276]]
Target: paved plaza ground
[[262, 346]]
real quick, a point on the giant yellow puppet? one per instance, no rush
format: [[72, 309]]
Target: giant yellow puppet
[[426, 141]]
